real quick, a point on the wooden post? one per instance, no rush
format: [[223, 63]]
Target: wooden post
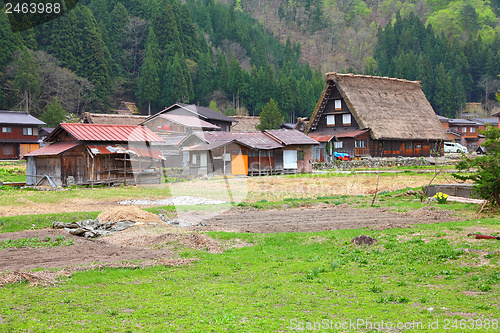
[[259, 161]]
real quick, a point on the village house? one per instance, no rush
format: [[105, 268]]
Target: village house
[[498, 120], [374, 116], [463, 131], [248, 153], [89, 154], [18, 135], [126, 114]]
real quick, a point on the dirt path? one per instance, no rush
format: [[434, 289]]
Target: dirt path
[[148, 243], [319, 219]]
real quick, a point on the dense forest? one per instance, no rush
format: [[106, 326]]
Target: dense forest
[[154, 52], [238, 55]]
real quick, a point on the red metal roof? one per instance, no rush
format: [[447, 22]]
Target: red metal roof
[[321, 137], [54, 149], [189, 121], [351, 134], [291, 137], [101, 132]]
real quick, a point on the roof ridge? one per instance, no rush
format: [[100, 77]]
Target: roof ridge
[[370, 76]]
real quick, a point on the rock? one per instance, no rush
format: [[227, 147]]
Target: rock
[[364, 240], [285, 206]]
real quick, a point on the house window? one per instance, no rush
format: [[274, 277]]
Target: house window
[[473, 130], [338, 104], [346, 119], [6, 129], [338, 144], [359, 144], [8, 150], [409, 145], [194, 159], [300, 155], [464, 129], [330, 120], [27, 131]]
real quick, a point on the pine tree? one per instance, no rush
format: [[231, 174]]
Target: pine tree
[[9, 41], [175, 86], [188, 35], [165, 28], [204, 84], [270, 117], [27, 78], [53, 113], [149, 82]]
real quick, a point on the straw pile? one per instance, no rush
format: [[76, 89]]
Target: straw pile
[[128, 213]]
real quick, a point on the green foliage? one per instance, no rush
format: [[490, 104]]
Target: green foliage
[[35, 242], [271, 117], [487, 175], [27, 78], [53, 113], [149, 82]]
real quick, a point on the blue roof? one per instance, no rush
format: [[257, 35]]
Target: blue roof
[[18, 118]]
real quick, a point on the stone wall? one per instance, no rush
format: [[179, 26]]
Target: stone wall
[[375, 162]]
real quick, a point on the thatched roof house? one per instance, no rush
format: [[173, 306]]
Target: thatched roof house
[[395, 113], [245, 123], [112, 119]]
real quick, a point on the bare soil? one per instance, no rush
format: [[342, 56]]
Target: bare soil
[[321, 218], [158, 242]]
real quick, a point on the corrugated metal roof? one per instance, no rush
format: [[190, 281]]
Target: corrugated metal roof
[[351, 134], [208, 146], [462, 122], [188, 121], [321, 137], [255, 140], [171, 140], [100, 132], [291, 137], [18, 118], [54, 148], [205, 112]]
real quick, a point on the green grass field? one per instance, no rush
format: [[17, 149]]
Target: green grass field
[[421, 274]]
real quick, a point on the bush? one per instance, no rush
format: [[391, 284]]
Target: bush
[[487, 175]]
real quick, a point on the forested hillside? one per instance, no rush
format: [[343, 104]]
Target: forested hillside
[[451, 46], [237, 55], [156, 52]]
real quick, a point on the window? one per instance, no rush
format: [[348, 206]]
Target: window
[[6, 129], [27, 131], [330, 120], [338, 144], [194, 159], [338, 104], [8, 150], [359, 144], [409, 145], [300, 155], [473, 130], [346, 119], [464, 129]]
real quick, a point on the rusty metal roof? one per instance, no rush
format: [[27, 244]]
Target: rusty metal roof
[[351, 134], [209, 146], [101, 132], [54, 149], [18, 118], [291, 137], [255, 140], [189, 121], [321, 137], [151, 152]]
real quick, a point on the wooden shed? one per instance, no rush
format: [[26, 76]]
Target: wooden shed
[[375, 116], [88, 154]]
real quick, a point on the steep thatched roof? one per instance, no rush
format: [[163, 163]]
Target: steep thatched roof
[[393, 109], [245, 123], [112, 119]]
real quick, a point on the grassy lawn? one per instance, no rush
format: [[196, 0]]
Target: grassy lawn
[[421, 274]]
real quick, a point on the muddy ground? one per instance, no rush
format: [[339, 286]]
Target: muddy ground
[[155, 242]]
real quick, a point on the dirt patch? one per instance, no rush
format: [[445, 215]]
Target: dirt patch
[[129, 213], [319, 219]]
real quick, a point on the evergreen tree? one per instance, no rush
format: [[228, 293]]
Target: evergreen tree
[[270, 117], [53, 113], [188, 35], [27, 78], [9, 41], [204, 84], [175, 86], [165, 28], [149, 82]]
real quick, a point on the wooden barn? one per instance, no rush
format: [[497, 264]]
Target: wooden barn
[[18, 135], [374, 116], [88, 154], [248, 153]]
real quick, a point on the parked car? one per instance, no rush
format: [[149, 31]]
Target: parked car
[[342, 156], [453, 147]]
